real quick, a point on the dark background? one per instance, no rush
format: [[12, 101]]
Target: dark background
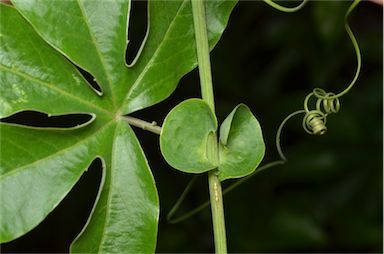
[[327, 198]]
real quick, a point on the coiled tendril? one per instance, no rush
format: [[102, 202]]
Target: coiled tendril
[[314, 121]]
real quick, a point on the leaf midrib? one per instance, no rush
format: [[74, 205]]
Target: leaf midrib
[[109, 82], [51, 86], [109, 190], [18, 169], [147, 66]]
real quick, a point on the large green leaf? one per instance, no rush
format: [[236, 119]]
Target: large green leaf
[[39, 166], [110, 229], [99, 40], [186, 129], [30, 67], [36, 180]]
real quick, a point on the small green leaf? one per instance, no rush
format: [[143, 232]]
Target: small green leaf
[[183, 139], [241, 144]]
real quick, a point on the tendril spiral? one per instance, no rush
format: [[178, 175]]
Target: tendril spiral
[[330, 103], [314, 121]]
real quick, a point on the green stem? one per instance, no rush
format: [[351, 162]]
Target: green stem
[[152, 127], [202, 47], [206, 204], [217, 209], [285, 9], [215, 191]]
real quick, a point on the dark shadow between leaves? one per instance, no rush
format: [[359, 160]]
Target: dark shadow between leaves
[[91, 80], [42, 120], [69, 216], [137, 30]]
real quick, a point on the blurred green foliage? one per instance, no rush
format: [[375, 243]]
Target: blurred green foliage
[[328, 197]]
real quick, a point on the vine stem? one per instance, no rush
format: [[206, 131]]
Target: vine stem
[[215, 191]]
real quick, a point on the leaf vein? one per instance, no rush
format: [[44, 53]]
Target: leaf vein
[[18, 169], [25, 134], [147, 66], [98, 53], [51, 86], [109, 190], [19, 147]]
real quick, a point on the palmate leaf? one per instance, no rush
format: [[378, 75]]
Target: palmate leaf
[[39, 166]]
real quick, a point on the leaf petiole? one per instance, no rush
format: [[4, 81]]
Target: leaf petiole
[[147, 126]]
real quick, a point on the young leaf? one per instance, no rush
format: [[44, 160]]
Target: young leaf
[[39, 166], [241, 144], [183, 139]]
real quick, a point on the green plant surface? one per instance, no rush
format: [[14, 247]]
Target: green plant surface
[[241, 144], [206, 88], [185, 134], [269, 60], [39, 166]]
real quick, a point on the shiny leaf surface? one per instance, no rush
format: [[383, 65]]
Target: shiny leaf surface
[[125, 218], [29, 67], [39, 166], [241, 144], [34, 183], [99, 41], [183, 139]]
